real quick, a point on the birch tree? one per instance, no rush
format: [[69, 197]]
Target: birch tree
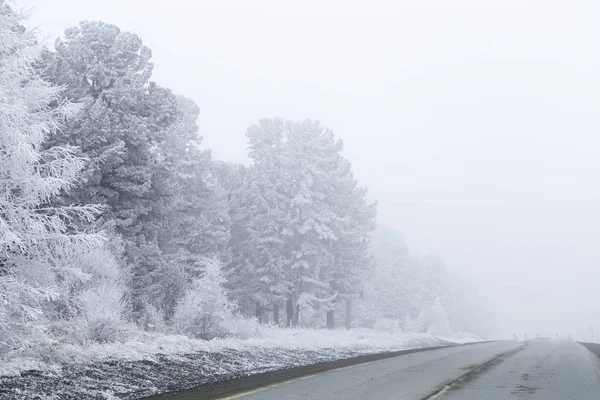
[[32, 229]]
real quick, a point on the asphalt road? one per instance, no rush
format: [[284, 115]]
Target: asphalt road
[[543, 370], [538, 369]]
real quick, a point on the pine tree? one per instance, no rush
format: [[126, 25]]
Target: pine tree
[[260, 211], [356, 221], [305, 223], [125, 120], [197, 224], [202, 220], [392, 288], [324, 208]]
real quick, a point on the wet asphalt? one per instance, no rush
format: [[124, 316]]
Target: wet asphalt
[[541, 369]]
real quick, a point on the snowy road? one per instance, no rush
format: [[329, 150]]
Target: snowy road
[[539, 369]]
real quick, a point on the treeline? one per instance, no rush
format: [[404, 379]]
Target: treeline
[[112, 212], [293, 227]]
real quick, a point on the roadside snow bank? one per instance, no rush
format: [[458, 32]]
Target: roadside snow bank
[[147, 364]]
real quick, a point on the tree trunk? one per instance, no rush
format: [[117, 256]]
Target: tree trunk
[[348, 313], [289, 311], [258, 312], [276, 313], [330, 321], [297, 315]]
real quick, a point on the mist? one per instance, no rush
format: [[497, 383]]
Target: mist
[[472, 124]]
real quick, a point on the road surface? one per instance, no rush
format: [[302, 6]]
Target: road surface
[[538, 369]]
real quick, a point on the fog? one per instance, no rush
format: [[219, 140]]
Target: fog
[[474, 125]]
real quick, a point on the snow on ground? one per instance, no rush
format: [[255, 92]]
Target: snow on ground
[[147, 364]]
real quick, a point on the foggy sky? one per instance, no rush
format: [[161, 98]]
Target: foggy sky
[[473, 123]]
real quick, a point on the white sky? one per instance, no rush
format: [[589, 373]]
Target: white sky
[[473, 123]]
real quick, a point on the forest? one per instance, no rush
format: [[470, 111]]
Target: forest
[[115, 218]]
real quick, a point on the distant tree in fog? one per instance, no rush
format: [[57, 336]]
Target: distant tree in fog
[[305, 221], [351, 249], [392, 288], [418, 292]]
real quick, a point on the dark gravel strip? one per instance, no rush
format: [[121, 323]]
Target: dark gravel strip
[[173, 373], [234, 386]]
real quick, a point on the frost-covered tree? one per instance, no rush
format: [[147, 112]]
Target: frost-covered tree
[[197, 225], [146, 163], [201, 219], [434, 280], [314, 155], [260, 214], [124, 124], [32, 229], [299, 209], [392, 286], [331, 218], [356, 221], [233, 178], [124, 116]]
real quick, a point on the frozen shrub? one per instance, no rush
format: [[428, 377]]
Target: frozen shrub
[[67, 331], [86, 303], [102, 308], [205, 312], [243, 327], [93, 302], [434, 320], [22, 321], [101, 301]]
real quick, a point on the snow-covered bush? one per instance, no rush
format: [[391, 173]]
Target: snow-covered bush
[[205, 312], [22, 320], [91, 306], [433, 320], [103, 308], [242, 327]]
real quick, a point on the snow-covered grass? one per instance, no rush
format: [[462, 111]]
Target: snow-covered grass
[[145, 363]]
